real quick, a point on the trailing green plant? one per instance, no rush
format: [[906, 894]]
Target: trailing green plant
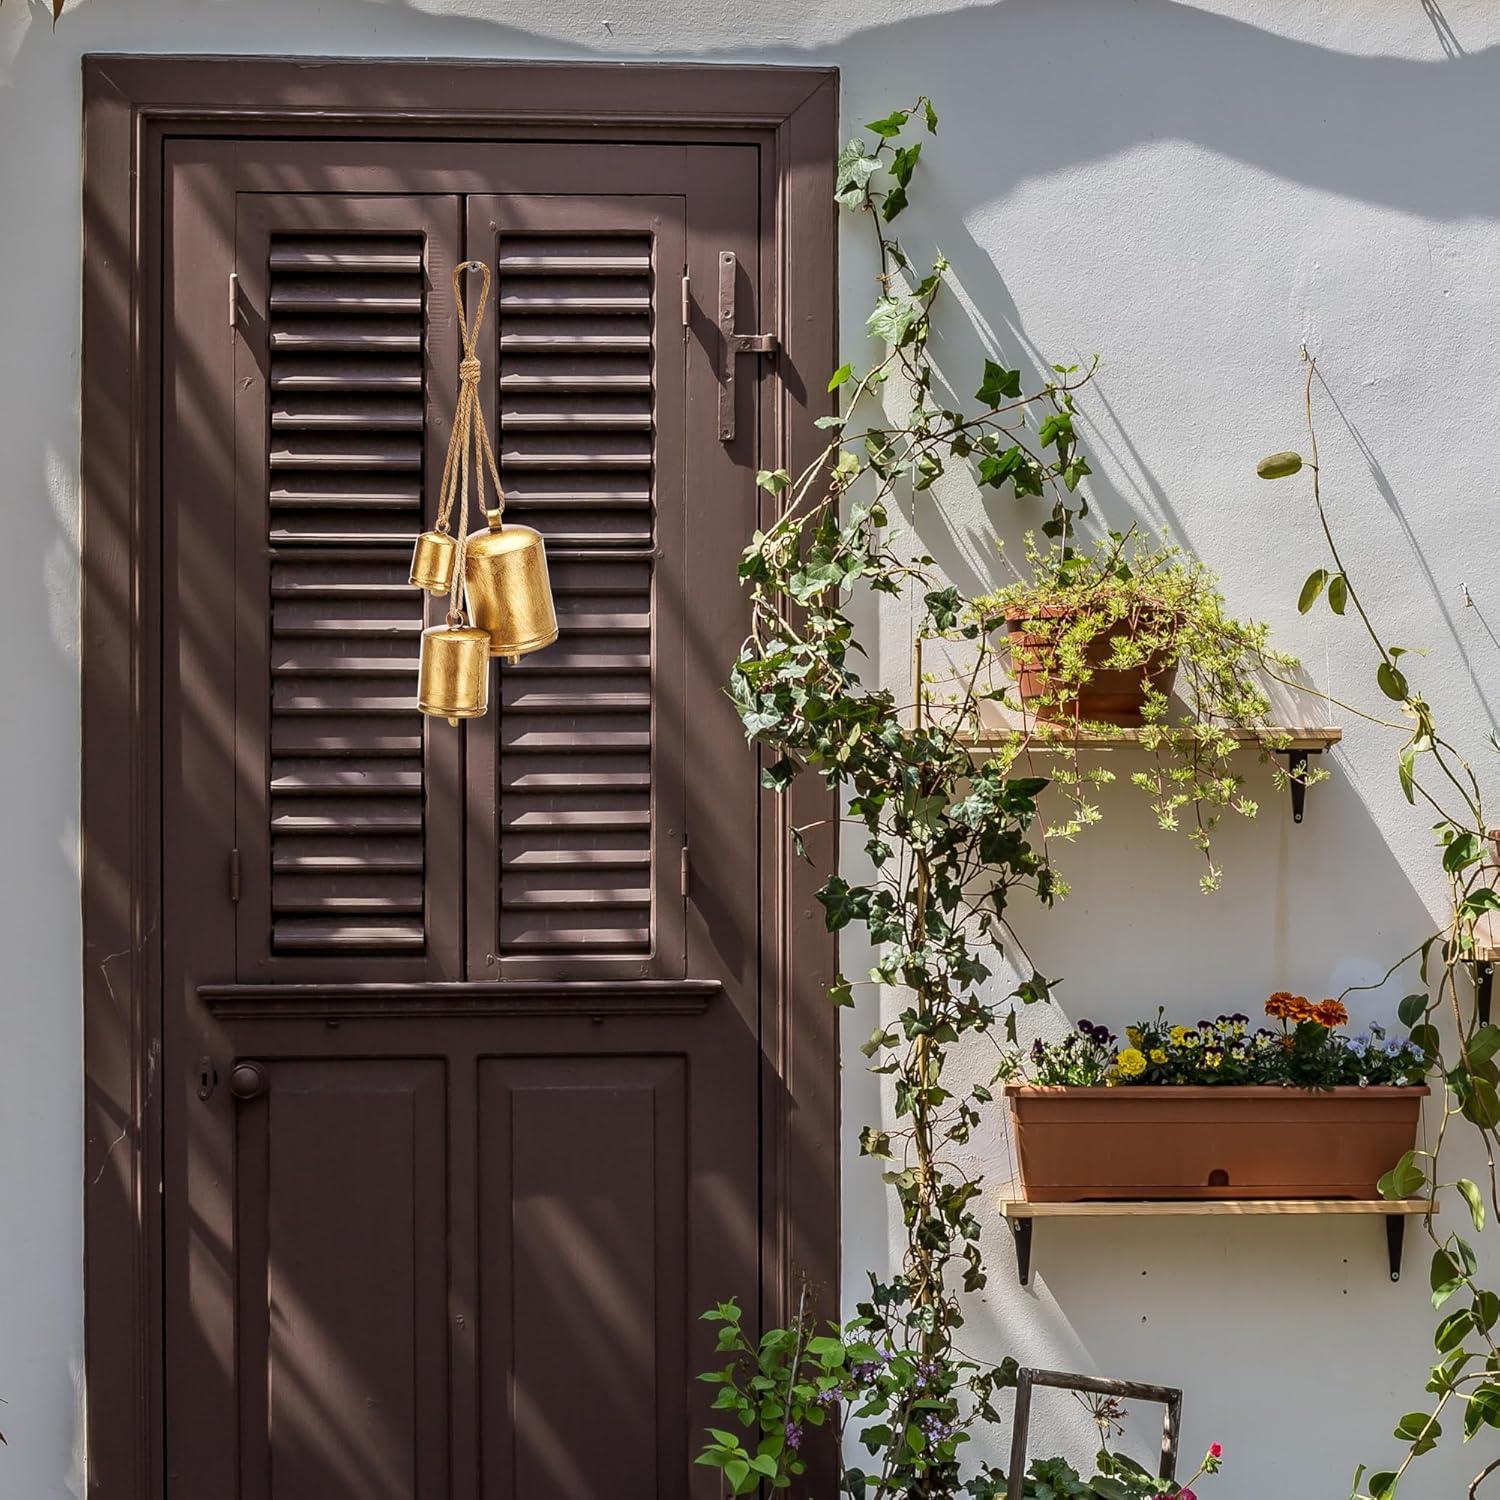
[[1459, 1046], [1126, 604], [950, 838]]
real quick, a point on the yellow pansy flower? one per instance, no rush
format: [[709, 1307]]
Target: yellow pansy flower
[[1158, 1056], [1179, 1035]]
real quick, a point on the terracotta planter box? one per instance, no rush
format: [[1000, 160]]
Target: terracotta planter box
[[1145, 1141], [1112, 695]]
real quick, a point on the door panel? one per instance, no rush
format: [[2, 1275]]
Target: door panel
[[342, 1360], [501, 1143]]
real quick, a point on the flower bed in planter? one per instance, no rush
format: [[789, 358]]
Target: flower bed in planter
[[1216, 1110]]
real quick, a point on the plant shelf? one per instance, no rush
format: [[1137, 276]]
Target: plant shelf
[[1021, 1215], [1297, 742]]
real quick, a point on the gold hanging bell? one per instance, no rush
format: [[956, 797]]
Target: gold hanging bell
[[453, 680], [433, 560], [505, 577]]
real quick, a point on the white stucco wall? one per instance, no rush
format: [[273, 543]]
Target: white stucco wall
[[1191, 191]]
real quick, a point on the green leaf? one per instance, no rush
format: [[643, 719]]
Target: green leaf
[[1383, 1485], [1481, 1104], [1338, 593], [904, 163], [930, 114], [1453, 1330], [839, 376], [1405, 1180], [1476, 903], [1412, 1009], [1445, 1277], [890, 125], [1420, 1430], [1392, 682], [1483, 1045], [1279, 465], [1406, 770], [999, 384], [773, 480], [1475, 1200], [1464, 850], [1311, 589]]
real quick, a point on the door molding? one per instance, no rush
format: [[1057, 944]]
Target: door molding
[[132, 106]]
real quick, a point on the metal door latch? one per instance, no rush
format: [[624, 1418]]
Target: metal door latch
[[734, 344]]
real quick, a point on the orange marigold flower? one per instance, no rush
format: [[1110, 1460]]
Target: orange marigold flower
[[1330, 1013], [1285, 1006]]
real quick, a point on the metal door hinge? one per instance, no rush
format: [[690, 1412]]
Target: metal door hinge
[[234, 299], [687, 304], [734, 344], [234, 874], [684, 870]]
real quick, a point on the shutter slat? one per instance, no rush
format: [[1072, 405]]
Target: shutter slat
[[346, 457]]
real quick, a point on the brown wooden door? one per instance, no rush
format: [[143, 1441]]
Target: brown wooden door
[[462, 1062]]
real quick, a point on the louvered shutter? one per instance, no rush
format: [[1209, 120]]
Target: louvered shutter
[[587, 773], [348, 854]]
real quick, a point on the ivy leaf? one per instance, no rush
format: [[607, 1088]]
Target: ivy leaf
[[893, 320], [842, 903], [852, 174], [999, 384], [839, 376], [1474, 1199], [1338, 593], [931, 116], [890, 125], [1311, 590], [1392, 681], [895, 202], [904, 163]]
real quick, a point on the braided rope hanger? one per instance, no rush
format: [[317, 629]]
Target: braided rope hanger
[[469, 433]]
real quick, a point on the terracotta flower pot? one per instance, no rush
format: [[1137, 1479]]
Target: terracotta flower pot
[[1112, 695], [1164, 1141]]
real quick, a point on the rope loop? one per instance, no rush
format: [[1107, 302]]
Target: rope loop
[[470, 438]]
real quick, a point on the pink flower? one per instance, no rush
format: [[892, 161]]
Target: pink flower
[[1216, 1450], [1186, 1495]]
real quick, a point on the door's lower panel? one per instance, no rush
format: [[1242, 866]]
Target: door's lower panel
[[471, 1250]]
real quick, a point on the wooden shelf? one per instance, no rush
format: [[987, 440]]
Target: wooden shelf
[[1022, 1215], [1047, 738]]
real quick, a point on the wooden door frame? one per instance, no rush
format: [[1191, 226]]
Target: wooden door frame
[[132, 106]]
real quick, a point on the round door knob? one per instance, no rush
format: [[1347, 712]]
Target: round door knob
[[247, 1081]]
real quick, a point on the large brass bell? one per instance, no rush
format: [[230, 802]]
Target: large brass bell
[[453, 680], [432, 562], [505, 577]]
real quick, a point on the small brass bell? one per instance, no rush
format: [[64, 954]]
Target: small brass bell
[[453, 681], [505, 575], [432, 562]]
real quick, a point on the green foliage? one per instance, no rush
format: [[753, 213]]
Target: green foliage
[[1430, 770], [1128, 604]]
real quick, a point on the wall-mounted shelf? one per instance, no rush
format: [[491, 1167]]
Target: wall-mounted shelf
[[1298, 743], [1021, 1216]]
